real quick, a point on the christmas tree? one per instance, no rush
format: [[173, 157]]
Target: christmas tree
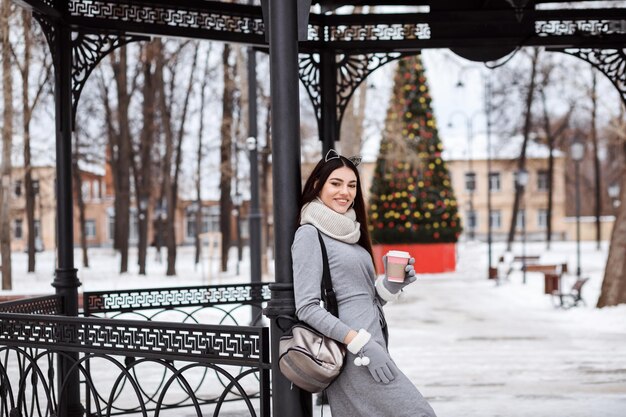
[[411, 196]]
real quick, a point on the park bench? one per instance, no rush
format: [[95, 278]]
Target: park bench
[[508, 264], [571, 298], [527, 260], [552, 274]]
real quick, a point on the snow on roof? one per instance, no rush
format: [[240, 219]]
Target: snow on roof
[[459, 148]]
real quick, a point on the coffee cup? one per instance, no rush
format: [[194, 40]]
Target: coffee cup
[[396, 263]]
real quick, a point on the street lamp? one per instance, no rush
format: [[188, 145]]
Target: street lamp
[[254, 215], [143, 205], [472, 181], [161, 216], [237, 200], [487, 109], [521, 178], [614, 194], [577, 151]]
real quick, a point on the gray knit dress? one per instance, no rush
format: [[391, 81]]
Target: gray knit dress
[[354, 393]]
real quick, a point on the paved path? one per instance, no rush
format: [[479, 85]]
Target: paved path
[[475, 349]]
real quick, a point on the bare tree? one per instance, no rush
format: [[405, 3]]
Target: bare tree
[[173, 139], [596, 159], [168, 138], [553, 134], [171, 253], [199, 156], [613, 290], [7, 144], [526, 129], [28, 106], [143, 166], [121, 146], [80, 201]]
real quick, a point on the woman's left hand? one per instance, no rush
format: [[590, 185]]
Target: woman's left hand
[[409, 277]]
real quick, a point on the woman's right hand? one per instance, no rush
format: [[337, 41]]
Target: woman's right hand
[[371, 354], [379, 364]]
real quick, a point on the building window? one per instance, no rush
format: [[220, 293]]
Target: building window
[[133, 232], [521, 219], [17, 190], [35, 187], [191, 225], [495, 218], [85, 189], [471, 219], [470, 181], [111, 223], [37, 229], [542, 180], [18, 231], [210, 221], [542, 218], [95, 186], [90, 229], [494, 181]]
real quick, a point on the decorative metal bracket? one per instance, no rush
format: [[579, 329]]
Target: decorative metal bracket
[[88, 49], [48, 30], [611, 62], [352, 70]]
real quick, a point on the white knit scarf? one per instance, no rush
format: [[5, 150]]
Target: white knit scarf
[[342, 227]]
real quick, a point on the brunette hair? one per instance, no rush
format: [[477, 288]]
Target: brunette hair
[[315, 183]]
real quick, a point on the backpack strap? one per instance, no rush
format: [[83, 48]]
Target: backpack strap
[[328, 293]]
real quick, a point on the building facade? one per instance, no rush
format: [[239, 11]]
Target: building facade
[[472, 184], [98, 198]]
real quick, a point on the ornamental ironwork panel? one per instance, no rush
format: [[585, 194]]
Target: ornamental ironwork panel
[[50, 304], [356, 32], [229, 345], [160, 298], [117, 385], [49, 32], [352, 70], [611, 62], [588, 27], [87, 51], [210, 16]]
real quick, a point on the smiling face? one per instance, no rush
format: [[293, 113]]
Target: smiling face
[[339, 191]]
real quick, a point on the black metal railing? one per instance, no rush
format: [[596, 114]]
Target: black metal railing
[[142, 366], [217, 304]]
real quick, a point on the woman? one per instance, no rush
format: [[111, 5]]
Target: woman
[[370, 384]]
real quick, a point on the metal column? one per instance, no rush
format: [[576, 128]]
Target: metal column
[[254, 217], [328, 85], [65, 281], [283, 30]]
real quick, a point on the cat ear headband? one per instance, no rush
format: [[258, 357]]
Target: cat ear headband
[[333, 154]]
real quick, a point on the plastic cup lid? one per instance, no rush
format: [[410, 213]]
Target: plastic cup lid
[[398, 253]]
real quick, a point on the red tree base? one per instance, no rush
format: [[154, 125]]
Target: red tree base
[[429, 257]]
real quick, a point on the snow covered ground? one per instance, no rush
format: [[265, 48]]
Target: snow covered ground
[[472, 347]]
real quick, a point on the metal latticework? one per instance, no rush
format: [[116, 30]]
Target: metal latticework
[[50, 304], [352, 70], [204, 20], [611, 62], [195, 366], [168, 298], [87, 51], [235, 345]]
